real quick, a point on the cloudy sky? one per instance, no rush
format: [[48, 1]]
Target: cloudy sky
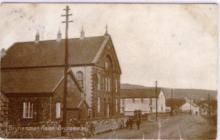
[[173, 44]]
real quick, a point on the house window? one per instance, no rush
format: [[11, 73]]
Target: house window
[[106, 65], [109, 84], [108, 111], [99, 104], [142, 100], [98, 82], [116, 85], [28, 110], [79, 75], [106, 84], [133, 100], [58, 110], [116, 105]]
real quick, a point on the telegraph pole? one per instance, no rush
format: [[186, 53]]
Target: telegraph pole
[[190, 105], [156, 97], [172, 107], [67, 21], [209, 111]]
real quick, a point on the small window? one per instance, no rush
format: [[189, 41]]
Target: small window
[[116, 105], [80, 78], [142, 100], [109, 84], [106, 65], [28, 110], [106, 84], [116, 85], [58, 110], [98, 82], [99, 104], [133, 100]]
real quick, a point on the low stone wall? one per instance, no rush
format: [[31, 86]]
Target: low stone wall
[[46, 130], [104, 125], [3, 129], [53, 129]]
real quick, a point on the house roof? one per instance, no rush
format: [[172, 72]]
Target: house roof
[[175, 102], [139, 93], [29, 54], [38, 80], [33, 81]]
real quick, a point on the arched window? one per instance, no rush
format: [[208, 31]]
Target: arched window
[[116, 85], [98, 104], [106, 84], [106, 65], [98, 82], [79, 75], [109, 84], [116, 105]]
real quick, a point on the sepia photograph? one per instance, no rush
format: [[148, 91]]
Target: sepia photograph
[[108, 71]]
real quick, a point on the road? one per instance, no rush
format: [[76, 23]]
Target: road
[[175, 127]]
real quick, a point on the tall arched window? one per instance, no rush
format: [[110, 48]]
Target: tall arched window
[[79, 76], [98, 104], [98, 82]]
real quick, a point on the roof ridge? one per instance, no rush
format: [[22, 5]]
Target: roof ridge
[[56, 40]]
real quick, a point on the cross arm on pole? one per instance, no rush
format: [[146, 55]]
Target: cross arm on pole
[[67, 21], [67, 8], [66, 15]]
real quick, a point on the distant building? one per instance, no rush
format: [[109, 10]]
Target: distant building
[[33, 73], [204, 109], [174, 104], [208, 107], [190, 107], [143, 99]]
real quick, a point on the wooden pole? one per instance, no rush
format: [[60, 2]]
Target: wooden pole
[[209, 110], [63, 124], [156, 97], [172, 107]]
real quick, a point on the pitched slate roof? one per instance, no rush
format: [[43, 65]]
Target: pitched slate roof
[[175, 102], [38, 80], [29, 54], [139, 93]]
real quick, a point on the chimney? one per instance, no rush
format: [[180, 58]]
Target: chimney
[[3, 52], [82, 35], [37, 37], [106, 30], [59, 36]]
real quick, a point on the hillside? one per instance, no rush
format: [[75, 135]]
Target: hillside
[[178, 93]]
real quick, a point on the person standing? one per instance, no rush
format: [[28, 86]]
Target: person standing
[[131, 123], [138, 123]]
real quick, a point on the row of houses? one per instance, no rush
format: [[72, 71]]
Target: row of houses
[[147, 100], [151, 100]]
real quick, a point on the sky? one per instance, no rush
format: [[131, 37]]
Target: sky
[[175, 44]]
